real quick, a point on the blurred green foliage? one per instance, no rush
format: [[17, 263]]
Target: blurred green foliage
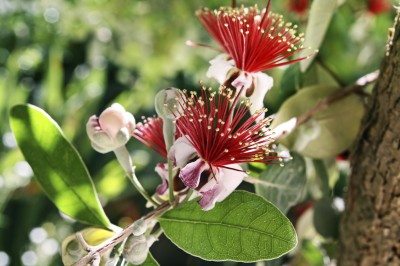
[[74, 58]]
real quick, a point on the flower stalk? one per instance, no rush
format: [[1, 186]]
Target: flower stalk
[[125, 160], [169, 133]]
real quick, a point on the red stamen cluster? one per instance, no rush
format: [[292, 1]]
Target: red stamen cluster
[[150, 133], [256, 40], [218, 127]]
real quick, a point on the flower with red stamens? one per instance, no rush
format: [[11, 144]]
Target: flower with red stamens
[[298, 6], [217, 135], [254, 41], [378, 6], [150, 133]]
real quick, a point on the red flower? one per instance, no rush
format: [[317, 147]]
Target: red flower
[[217, 135], [298, 6], [150, 133], [256, 40], [378, 6], [217, 126]]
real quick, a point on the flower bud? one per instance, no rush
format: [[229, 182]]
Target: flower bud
[[136, 249], [111, 130], [139, 227], [71, 250], [167, 103]]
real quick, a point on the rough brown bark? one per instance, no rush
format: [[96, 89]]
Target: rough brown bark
[[370, 228]]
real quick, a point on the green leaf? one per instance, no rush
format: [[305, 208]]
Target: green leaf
[[284, 185], [326, 218], [57, 165], [330, 131], [321, 13], [244, 227], [291, 80]]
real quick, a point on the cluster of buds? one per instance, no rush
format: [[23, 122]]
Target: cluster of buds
[[136, 248]]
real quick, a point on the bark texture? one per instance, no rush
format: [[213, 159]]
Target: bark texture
[[370, 228]]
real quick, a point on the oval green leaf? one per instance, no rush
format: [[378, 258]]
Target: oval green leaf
[[321, 13], [283, 186], [330, 131], [57, 166], [244, 228]]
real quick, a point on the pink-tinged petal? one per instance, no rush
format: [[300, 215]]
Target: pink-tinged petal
[[209, 198], [244, 81], [162, 171], [220, 187], [219, 68], [262, 84], [114, 118], [191, 173], [182, 151]]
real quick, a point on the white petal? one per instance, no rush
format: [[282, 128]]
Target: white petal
[[262, 84], [181, 151], [284, 128], [114, 118], [217, 189], [219, 68], [244, 81]]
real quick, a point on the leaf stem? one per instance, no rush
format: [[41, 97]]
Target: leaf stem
[[188, 195], [329, 71], [169, 136]]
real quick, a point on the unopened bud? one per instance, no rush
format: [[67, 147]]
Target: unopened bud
[[136, 249], [167, 103], [111, 130], [71, 250], [139, 227]]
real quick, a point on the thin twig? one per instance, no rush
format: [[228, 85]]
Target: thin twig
[[335, 97], [330, 71], [119, 237]]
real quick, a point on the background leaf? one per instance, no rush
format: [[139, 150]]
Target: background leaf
[[56, 164], [330, 131], [244, 227], [326, 218], [286, 183], [321, 13]]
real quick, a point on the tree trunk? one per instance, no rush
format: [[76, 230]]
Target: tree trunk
[[370, 228]]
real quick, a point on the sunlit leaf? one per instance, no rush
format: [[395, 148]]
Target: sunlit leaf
[[244, 227], [57, 166]]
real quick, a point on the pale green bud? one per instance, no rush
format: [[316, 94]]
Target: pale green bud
[[136, 249], [167, 103]]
